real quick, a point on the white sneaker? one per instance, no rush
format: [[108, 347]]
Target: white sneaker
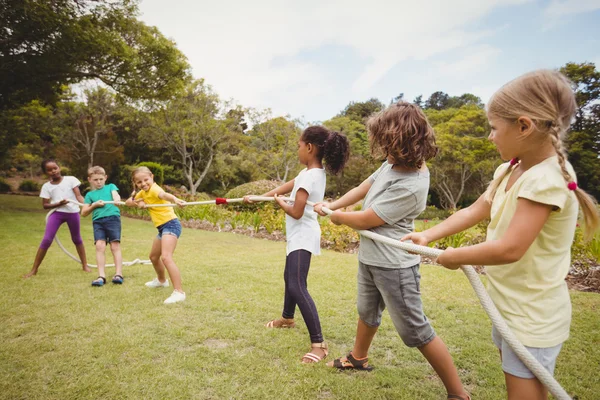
[[175, 297], [155, 283]]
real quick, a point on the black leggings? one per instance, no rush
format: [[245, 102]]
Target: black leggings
[[297, 264]]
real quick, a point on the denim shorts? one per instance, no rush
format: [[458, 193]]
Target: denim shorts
[[399, 290], [511, 364], [172, 227], [107, 229]]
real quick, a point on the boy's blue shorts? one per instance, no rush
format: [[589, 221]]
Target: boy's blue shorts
[[107, 229]]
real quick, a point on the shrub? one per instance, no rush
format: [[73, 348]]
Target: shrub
[[432, 212], [29, 186], [4, 186], [256, 188]]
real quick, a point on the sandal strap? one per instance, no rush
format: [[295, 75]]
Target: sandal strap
[[101, 277], [313, 357], [357, 363], [118, 276]]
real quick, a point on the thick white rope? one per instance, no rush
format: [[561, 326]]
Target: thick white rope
[[59, 243], [488, 305]]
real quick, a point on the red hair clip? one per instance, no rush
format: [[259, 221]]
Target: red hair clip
[[572, 185]]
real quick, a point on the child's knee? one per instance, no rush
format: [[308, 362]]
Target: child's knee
[[154, 258], [100, 245], [115, 245]]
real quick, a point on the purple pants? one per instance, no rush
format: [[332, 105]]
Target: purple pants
[[55, 220]]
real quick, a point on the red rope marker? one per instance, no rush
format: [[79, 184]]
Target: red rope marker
[[220, 200]]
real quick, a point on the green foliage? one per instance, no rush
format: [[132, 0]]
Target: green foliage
[[256, 188], [157, 169], [466, 159], [47, 45], [583, 142], [432, 212], [359, 111], [4, 186], [29, 186]]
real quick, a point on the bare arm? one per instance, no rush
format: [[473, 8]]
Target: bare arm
[[457, 222], [295, 210], [116, 196], [169, 197], [366, 219], [353, 196], [525, 225], [78, 195], [49, 206]]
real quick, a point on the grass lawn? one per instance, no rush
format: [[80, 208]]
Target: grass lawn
[[63, 339]]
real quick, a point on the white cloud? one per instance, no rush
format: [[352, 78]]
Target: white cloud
[[233, 45], [558, 10]]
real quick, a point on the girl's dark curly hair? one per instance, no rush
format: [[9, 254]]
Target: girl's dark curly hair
[[331, 146], [402, 132], [47, 161]]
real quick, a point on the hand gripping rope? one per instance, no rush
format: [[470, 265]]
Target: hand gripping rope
[[488, 305]]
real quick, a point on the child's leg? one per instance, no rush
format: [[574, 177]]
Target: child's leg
[[169, 242], [520, 388], [298, 267], [73, 221], [100, 257], [364, 338], [440, 359], [155, 258], [289, 302], [54, 222], [115, 248]]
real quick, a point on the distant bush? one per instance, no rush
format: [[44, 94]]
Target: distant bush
[[158, 170], [255, 188], [432, 212], [29, 186], [4, 186]]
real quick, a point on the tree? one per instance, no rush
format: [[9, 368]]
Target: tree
[[45, 45], [442, 101], [87, 138], [583, 142], [276, 141], [360, 111], [361, 164], [437, 101], [188, 128], [466, 160]]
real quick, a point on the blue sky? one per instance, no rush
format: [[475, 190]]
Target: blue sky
[[309, 59]]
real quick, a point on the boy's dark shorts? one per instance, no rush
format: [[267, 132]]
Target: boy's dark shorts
[[399, 291], [107, 229]]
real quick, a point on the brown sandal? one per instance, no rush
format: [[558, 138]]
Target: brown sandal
[[352, 363], [281, 323], [315, 358]]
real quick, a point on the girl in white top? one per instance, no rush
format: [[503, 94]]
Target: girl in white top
[[302, 228], [55, 195], [533, 204]]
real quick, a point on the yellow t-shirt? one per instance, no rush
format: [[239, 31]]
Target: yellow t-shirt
[[531, 294], [159, 215]]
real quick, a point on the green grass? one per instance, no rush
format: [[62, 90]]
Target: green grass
[[63, 339]]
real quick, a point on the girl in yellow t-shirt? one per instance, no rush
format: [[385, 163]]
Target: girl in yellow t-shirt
[[532, 204], [169, 230]]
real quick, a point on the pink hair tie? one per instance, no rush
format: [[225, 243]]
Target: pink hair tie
[[572, 185], [514, 161]]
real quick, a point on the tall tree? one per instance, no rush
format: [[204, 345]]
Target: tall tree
[[276, 140], [87, 137], [190, 128], [45, 45], [466, 160], [583, 142], [361, 110]]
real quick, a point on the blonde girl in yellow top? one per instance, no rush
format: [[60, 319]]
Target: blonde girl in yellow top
[[169, 230], [533, 203]]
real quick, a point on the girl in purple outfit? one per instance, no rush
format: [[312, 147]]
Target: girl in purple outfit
[[55, 195]]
